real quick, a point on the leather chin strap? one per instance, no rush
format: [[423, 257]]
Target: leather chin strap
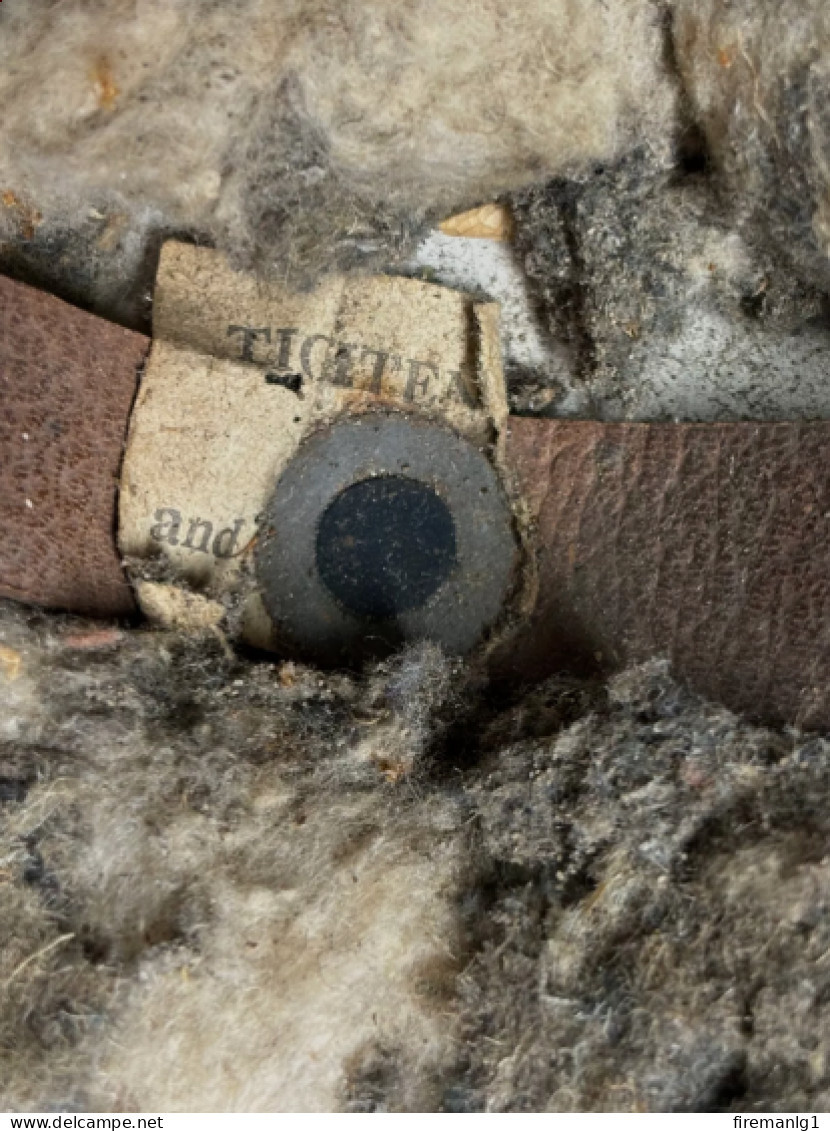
[[67, 383], [706, 544]]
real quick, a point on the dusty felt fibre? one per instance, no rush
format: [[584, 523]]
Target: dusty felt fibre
[[235, 884], [667, 163], [299, 136], [246, 885]]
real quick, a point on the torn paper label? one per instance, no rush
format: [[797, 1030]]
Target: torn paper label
[[242, 370], [396, 338]]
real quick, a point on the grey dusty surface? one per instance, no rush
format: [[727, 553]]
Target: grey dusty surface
[[242, 886], [229, 884], [667, 165]]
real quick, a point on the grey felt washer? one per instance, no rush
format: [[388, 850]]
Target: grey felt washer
[[304, 609]]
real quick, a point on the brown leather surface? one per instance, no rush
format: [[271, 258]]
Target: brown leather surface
[[67, 382], [707, 544]]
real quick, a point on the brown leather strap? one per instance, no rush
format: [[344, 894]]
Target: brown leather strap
[[707, 544], [67, 381]]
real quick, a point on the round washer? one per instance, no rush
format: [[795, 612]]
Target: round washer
[[432, 535]]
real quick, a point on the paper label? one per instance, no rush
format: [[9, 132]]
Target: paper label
[[242, 370]]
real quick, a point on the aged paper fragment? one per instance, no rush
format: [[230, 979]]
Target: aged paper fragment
[[241, 371]]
